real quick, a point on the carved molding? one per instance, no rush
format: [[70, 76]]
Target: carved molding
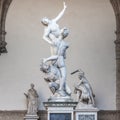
[[4, 5]]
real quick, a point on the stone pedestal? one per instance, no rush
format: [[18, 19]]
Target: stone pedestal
[[86, 113], [31, 117], [60, 110]]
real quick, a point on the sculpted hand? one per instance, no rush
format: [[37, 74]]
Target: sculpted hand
[[64, 5], [44, 60]]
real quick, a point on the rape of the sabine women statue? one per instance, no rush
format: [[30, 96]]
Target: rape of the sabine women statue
[[52, 27], [84, 90], [32, 101], [54, 66]]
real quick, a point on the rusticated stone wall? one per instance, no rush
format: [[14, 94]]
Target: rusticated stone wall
[[43, 115], [12, 115], [109, 115], [19, 115]]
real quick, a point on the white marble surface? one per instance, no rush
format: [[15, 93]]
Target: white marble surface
[[31, 117], [54, 66], [84, 90], [32, 100]]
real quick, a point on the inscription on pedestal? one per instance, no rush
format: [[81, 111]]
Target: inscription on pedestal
[[86, 117], [60, 116]]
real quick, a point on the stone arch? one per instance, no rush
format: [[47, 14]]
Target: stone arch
[[4, 6], [116, 8]]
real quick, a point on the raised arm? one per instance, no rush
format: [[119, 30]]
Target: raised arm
[[61, 13], [51, 58]]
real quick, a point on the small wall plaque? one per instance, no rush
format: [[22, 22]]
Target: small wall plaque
[[60, 116], [86, 117]]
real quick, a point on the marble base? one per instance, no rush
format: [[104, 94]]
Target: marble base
[[85, 106], [60, 110], [31, 117], [60, 99]]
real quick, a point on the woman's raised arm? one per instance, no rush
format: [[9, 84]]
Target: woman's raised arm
[[61, 13]]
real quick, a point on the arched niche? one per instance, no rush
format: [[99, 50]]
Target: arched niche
[[4, 6]]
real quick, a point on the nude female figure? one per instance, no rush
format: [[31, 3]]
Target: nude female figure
[[51, 27]]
